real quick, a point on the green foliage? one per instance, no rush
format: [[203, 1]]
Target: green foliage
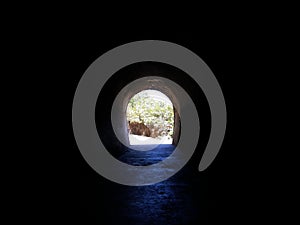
[[153, 113]]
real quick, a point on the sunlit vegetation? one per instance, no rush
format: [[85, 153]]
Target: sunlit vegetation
[[156, 114]]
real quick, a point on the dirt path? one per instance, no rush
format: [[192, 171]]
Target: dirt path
[[142, 140]]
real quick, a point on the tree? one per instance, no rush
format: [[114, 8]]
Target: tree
[[153, 113]]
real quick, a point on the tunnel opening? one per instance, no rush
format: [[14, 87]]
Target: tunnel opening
[[113, 99], [150, 118]]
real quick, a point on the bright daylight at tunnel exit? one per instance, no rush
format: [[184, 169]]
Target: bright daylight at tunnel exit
[[150, 118]]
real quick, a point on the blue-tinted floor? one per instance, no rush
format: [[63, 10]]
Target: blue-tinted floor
[[176, 201]]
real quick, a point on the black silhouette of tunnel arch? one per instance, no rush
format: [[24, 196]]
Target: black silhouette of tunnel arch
[[153, 73]]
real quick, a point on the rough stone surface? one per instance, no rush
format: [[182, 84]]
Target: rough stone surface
[[169, 202]]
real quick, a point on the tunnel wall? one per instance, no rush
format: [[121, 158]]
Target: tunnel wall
[[154, 73]]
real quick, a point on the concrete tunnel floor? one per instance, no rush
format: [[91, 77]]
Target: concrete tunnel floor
[[172, 202]]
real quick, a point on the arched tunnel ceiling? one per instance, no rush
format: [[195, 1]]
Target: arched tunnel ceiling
[[152, 72]]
